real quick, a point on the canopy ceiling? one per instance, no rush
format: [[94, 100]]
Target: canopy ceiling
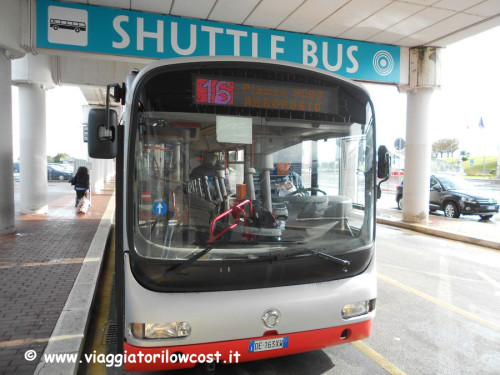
[[407, 23]]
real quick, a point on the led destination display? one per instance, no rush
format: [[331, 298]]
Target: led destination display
[[263, 94]]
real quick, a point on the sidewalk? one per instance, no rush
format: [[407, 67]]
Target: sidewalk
[[39, 265], [482, 233]]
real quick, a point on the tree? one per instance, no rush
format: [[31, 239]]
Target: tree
[[446, 146], [60, 157], [464, 155]]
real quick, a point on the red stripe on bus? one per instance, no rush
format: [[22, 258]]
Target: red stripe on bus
[[237, 351]]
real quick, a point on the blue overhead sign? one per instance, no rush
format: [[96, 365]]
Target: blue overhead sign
[[85, 28]]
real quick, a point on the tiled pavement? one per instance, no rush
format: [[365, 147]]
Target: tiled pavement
[[38, 266]]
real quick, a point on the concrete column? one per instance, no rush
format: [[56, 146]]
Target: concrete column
[[110, 169], [96, 175], [7, 212], [106, 171], [348, 168], [33, 155], [418, 157], [424, 77]]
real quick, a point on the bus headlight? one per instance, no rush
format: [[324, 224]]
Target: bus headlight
[[160, 330], [352, 310]]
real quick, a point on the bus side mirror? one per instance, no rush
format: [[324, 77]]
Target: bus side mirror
[[102, 142], [383, 167]]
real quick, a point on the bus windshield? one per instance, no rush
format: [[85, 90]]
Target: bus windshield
[[251, 178]]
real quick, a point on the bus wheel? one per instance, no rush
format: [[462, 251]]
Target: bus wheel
[[55, 27], [77, 30]]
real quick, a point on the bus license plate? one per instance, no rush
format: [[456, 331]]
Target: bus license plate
[[491, 208], [268, 344]]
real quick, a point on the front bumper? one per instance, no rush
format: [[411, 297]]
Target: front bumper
[[478, 209], [138, 358]]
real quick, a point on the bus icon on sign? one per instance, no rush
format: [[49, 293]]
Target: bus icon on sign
[[66, 24]]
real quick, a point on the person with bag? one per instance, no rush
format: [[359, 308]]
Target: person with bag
[[81, 181]]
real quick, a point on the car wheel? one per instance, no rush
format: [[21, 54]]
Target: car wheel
[[451, 210], [486, 217], [400, 203], [61, 177]]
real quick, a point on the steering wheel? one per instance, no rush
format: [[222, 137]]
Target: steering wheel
[[306, 190]]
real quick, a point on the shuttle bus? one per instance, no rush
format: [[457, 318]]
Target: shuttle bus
[[245, 220]]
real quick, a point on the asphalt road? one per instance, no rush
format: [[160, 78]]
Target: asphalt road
[[438, 305]]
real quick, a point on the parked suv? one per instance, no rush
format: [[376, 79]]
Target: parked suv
[[57, 172], [455, 197]]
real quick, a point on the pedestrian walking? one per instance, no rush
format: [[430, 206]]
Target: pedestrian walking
[[81, 181]]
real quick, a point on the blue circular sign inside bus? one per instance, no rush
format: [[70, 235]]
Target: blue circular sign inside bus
[[159, 208]]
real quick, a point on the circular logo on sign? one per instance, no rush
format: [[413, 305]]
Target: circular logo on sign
[[383, 63]]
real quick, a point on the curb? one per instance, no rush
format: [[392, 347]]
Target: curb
[[69, 332], [439, 233]]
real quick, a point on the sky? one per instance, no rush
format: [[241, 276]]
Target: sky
[[470, 83]]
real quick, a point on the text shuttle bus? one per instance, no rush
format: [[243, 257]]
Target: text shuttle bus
[[245, 218]]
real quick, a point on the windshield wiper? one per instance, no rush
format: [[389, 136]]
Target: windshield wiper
[[195, 257], [188, 262], [344, 263], [178, 268]]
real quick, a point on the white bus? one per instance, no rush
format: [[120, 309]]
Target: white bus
[[245, 221]]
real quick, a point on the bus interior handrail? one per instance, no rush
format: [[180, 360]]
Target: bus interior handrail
[[236, 211]]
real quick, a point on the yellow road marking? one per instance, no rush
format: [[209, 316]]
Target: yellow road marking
[[488, 279], [378, 358], [441, 303], [97, 336]]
